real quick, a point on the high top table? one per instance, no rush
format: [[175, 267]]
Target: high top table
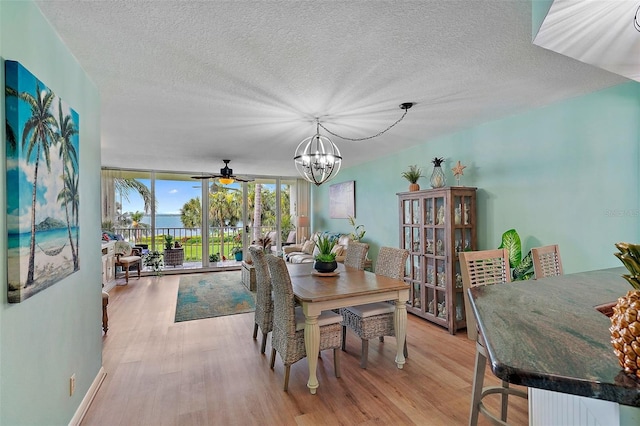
[[548, 335], [349, 287]]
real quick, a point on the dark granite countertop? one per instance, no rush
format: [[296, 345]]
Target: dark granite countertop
[[547, 334]]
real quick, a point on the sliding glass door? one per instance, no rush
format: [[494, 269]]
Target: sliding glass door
[[198, 223]]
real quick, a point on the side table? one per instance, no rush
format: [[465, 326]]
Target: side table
[[249, 276]]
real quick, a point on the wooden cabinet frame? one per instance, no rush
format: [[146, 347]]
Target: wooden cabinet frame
[[435, 225]]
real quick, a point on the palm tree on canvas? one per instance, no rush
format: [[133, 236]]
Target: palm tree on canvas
[[38, 135]]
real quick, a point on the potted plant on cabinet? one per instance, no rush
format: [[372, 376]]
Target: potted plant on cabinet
[[412, 175], [325, 259]]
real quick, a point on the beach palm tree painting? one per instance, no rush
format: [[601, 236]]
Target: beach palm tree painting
[[42, 185]]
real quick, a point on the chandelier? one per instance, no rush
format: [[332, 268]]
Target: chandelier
[[636, 19], [318, 159]]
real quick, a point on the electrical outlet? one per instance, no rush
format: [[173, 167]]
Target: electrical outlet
[[72, 384]]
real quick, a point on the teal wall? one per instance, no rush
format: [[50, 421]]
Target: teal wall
[[565, 174], [55, 333]]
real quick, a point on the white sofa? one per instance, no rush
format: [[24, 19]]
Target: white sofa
[[306, 252]]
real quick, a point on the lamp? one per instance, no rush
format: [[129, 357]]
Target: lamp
[[303, 222], [318, 159], [226, 181]]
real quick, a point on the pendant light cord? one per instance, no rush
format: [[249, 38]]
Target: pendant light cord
[[404, 106]]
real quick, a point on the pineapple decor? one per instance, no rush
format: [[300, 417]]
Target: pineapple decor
[[625, 322], [437, 179]]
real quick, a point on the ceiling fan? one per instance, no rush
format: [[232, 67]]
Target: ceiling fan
[[225, 176]]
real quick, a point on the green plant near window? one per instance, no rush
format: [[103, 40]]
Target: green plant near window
[[520, 266], [215, 257], [168, 242], [235, 250], [358, 230], [154, 260], [325, 244]]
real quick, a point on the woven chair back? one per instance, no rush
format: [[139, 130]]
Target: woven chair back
[[479, 268], [284, 322], [547, 261], [391, 262], [264, 301], [356, 254]]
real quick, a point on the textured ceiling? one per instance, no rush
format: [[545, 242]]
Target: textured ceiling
[[600, 33], [184, 84]]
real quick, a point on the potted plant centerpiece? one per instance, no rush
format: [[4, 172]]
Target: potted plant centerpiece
[[325, 259], [412, 175]]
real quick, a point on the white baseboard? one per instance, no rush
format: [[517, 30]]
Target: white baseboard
[[88, 398]]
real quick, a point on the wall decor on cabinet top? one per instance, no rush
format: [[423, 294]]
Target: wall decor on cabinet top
[[42, 178]]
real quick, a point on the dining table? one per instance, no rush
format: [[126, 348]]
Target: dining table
[[346, 287]]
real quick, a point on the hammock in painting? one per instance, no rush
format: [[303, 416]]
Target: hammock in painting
[[52, 252]]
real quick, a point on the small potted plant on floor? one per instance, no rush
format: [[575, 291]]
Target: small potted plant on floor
[[237, 252], [153, 260], [325, 259]]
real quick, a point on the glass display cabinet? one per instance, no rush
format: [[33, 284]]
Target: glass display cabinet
[[435, 225]]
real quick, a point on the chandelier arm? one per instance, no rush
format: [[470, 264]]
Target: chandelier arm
[[368, 137]]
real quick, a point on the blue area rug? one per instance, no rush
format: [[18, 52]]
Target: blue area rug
[[211, 295]]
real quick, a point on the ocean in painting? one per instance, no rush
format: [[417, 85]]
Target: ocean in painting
[[46, 240]]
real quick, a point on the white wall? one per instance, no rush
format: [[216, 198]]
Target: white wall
[[57, 332]]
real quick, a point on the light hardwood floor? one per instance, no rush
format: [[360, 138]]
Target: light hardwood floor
[[211, 372]]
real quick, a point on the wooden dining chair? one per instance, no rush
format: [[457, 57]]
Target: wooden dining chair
[[356, 254], [287, 337], [263, 315], [376, 319], [480, 268], [546, 261]]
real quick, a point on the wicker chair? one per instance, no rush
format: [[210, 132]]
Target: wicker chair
[[128, 257], [356, 255], [263, 316], [484, 268], [287, 337], [376, 319], [546, 261]]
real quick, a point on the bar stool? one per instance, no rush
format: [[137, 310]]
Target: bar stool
[[484, 268]]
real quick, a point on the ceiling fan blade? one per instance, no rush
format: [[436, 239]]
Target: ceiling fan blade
[[205, 177], [239, 179]]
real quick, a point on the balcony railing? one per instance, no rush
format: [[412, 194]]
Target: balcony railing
[[221, 239]]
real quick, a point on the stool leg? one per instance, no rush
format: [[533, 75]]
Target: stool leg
[[476, 392]]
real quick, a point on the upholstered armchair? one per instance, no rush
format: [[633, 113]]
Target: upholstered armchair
[[128, 257]]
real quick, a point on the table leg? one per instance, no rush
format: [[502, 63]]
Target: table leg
[[312, 346], [400, 325]]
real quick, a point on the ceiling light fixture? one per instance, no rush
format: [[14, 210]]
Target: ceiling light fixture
[[636, 19], [318, 159]]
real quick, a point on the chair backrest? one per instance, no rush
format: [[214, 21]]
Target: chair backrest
[[479, 268], [122, 248], [264, 301], [391, 262], [284, 322], [291, 238], [546, 261], [356, 254]]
